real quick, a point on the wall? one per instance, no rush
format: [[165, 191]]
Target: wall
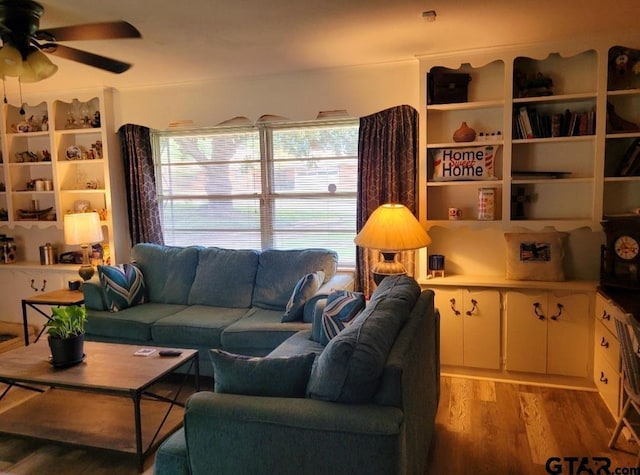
[[297, 96], [361, 90]]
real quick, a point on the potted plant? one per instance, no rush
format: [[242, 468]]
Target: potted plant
[[66, 334]]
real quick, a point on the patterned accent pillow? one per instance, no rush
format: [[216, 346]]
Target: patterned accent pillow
[[342, 307], [304, 289], [123, 286]]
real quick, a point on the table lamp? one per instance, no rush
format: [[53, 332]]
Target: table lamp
[[391, 228], [83, 229]]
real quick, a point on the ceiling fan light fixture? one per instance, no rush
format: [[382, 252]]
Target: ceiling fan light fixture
[[37, 67], [10, 61]]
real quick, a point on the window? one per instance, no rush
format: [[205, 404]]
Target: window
[[280, 186]]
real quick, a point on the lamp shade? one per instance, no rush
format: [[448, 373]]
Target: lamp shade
[[392, 227], [10, 61], [37, 67], [82, 228]]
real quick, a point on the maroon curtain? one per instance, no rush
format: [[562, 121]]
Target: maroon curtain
[[140, 182], [387, 164]]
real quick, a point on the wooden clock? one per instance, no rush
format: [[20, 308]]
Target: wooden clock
[[620, 257]]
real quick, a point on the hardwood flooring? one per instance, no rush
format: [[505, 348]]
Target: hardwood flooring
[[482, 427], [486, 427]]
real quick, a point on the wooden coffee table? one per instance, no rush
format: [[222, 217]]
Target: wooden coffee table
[[103, 402]]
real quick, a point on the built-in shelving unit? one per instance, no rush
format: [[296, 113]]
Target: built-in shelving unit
[[562, 173], [59, 155]]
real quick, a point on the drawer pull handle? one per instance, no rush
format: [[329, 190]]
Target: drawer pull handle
[[453, 307], [33, 286], [557, 315], [604, 343], [475, 304], [536, 310], [603, 379], [44, 285], [605, 315]]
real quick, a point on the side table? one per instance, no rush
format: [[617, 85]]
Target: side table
[[61, 298]]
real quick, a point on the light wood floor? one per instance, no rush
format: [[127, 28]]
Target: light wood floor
[[485, 427], [482, 427]]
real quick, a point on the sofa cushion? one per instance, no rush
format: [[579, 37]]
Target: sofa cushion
[[303, 291], [224, 278], [271, 377], [195, 326], [299, 343], [258, 332], [172, 457], [280, 270], [168, 271], [350, 367], [123, 286], [341, 308], [132, 324]]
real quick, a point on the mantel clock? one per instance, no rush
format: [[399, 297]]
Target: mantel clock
[[620, 256]]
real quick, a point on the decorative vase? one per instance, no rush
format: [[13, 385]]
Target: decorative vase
[[464, 134], [66, 351]]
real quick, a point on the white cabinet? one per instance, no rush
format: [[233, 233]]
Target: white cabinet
[[547, 333], [469, 327], [607, 369], [18, 282]]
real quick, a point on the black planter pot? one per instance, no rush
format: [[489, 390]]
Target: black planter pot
[[66, 351]]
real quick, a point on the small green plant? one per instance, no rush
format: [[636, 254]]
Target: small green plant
[[67, 321]]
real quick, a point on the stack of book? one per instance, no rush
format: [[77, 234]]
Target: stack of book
[[529, 124], [629, 164]]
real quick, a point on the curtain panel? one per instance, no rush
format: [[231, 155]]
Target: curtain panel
[[140, 182], [387, 173]]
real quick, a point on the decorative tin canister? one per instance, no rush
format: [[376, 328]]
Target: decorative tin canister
[[487, 204]]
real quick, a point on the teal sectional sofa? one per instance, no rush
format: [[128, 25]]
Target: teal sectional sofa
[[208, 297], [367, 405]]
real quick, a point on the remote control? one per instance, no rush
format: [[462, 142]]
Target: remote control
[[170, 353]]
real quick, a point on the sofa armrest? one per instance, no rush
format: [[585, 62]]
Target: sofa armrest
[[94, 297], [340, 281], [228, 433]]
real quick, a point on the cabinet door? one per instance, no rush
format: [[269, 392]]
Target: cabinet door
[[449, 303], [469, 332], [27, 283], [481, 318], [568, 335], [526, 332]]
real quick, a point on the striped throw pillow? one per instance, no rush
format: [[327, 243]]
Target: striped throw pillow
[[123, 285], [342, 307]]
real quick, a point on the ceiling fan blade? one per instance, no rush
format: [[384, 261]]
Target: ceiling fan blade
[[90, 31], [91, 59]]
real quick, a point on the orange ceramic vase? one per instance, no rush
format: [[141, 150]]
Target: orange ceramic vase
[[464, 134]]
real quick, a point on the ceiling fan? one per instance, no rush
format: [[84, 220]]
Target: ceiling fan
[[23, 43]]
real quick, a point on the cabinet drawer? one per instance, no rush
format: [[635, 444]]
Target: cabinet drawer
[[606, 313], [606, 345], [607, 381]]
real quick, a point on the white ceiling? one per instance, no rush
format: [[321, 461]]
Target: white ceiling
[[194, 40]]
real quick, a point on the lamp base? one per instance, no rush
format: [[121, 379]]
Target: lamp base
[[86, 271], [386, 267]]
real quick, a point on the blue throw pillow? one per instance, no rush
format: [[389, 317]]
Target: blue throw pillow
[[123, 286], [303, 291], [254, 376], [342, 307]]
